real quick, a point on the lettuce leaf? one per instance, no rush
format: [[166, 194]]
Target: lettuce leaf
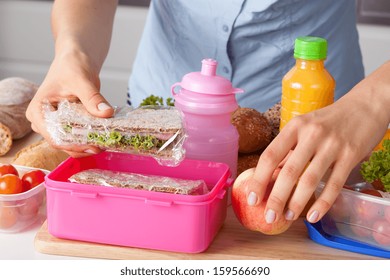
[[377, 167]]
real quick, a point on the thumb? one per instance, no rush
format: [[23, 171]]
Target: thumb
[[97, 105]]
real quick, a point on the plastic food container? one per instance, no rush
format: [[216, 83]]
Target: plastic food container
[[357, 216], [137, 218], [19, 211]]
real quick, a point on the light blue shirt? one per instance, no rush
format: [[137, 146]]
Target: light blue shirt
[[252, 40]]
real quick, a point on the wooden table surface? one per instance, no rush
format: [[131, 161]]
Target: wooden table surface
[[232, 242]]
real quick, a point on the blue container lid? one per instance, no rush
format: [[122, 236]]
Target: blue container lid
[[317, 234]]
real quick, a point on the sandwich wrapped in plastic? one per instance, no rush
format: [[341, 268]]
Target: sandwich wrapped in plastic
[[150, 130], [109, 178]]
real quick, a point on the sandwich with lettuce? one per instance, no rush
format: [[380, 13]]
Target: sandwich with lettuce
[[149, 130]]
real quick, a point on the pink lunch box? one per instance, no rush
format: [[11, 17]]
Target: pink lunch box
[[137, 218]]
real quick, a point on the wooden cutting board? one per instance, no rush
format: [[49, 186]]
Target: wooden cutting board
[[232, 242]]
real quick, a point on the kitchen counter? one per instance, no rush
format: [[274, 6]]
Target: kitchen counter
[[232, 242]]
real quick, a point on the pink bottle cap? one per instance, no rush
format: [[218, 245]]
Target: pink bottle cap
[[207, 81]]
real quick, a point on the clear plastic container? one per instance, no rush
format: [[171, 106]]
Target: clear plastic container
[[19, 211], [358, 216], [137, 218]]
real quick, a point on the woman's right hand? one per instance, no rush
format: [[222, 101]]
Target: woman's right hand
[[71, 76]]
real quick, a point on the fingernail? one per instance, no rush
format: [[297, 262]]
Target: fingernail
[[252, 199], [103, 106], [89, 151], [289, 215], [270, 216], [313, 216]]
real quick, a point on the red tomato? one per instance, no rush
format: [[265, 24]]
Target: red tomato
[[10, 184], [26, 186], [32, 179], [371, 192], [366, 210], [340, 209], [348, 187], [8, 217], [377, 184], [387, 213], [8, 169], [381, 232], [360, 227], [29, 209]]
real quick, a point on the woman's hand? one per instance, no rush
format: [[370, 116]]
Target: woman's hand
[[82, 32], [73, 77], [331, 140]]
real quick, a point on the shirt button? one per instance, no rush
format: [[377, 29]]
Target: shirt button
[[225, 69], [225, 28]]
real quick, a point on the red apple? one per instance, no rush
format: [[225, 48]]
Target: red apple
[[253, 217]]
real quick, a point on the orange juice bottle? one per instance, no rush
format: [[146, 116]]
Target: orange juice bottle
[[308, 86]]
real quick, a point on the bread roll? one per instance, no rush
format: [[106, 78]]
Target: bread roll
[[247, 161], [254, 130], [40, 155], [273, 117], [15, 95], [5, 139]]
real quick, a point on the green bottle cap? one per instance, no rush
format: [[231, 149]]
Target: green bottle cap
[[311, 48]]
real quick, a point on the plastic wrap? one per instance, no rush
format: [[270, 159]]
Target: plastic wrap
[[149, 130], [108, 178]]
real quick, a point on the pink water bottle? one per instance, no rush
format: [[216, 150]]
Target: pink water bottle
[[207, 102]]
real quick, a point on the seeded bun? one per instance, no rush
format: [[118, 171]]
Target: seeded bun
[[247, 161], [254, 130], [273, 117]]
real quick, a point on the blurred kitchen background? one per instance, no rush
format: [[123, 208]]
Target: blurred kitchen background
[[26, 44]]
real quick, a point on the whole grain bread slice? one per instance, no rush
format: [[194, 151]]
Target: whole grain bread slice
[[130, 180], [143, 119]]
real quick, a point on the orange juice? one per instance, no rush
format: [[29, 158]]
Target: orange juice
[[308, 86]]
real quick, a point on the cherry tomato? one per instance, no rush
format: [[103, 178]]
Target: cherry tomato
[[32, 179], [340, 209], [348, 187], [371, 192], [387, 213], [377, 184], [8, 169], [8, 217], [366, 210], [10, 184], [29, 209], [26, 186], [360, 227], [381, 232]]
